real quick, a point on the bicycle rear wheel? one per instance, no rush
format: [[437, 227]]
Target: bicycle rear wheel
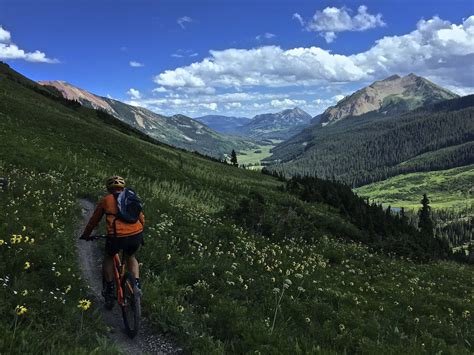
[[131, 307]]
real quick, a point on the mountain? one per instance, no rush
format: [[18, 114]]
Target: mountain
[[392, 95], [221, 243], [370, 148], [178, 130], [281, 125], [223, 124]]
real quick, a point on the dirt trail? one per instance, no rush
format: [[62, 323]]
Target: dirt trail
[[90, 259]]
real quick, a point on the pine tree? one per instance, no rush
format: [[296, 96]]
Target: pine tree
[[425, 223], [233, 158]]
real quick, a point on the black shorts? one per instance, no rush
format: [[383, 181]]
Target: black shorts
[[128, 244]]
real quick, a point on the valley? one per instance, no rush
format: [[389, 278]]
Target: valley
[[235, 261]]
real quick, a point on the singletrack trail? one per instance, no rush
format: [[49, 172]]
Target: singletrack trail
[[90, 260]]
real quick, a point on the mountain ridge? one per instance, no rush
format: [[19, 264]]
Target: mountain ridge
[[177, 130], [394, 94]]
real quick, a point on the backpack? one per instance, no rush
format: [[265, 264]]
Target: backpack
[[129, 206]]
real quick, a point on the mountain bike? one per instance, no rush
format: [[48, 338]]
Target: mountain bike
[[128, 295]]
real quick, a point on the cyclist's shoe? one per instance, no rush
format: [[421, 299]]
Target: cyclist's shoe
[[109, 294]]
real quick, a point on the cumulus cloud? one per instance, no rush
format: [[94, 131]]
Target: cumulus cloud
[[287, 103], [134, 94], [183, 21], [266, 35], [5, 36], [135, 64], [332, 20], [9, 50], [211, 106], [436, 49]]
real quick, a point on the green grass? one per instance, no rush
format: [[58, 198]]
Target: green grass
[[445, 188], [254, 156], [214, 285]]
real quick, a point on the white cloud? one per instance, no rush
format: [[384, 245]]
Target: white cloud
[[287, 103], [10, 50], [211, 106], [299, 18], [160, 89], [332, 20], [436, 48], [5, 36], [183, 21], [177, 55], [135, 64], [134, 94], [266, 35]]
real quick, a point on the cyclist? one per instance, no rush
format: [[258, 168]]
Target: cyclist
[[121, 236]]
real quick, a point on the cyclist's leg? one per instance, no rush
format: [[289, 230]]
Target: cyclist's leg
[[131, 247], [108, 268]]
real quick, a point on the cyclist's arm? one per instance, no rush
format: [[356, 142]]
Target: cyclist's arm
[[141, 218], [94, 220]]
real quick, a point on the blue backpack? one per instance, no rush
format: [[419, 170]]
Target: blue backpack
[[129, 206]]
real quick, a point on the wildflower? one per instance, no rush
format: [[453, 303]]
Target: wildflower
[[342, 327], [68, 288], [24, 293], [409, 309], [27, 239], [301, 289], [307, 320], [180, 309], [276, 290], [23, 229], [168, 256], [417, 320], [298, 276], [2, 242], [381, 308], [246, 287], [466, 314], [27, 265], [57, 274], [32, 241], [20, 310], [84, 304]]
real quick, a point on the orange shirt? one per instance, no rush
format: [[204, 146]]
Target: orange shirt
[[108, 206]]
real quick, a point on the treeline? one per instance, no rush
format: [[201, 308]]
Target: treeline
[[359, 151], [367, 223]]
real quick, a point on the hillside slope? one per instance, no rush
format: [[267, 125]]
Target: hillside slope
[[178, 130], [232, 263], [365, 149]]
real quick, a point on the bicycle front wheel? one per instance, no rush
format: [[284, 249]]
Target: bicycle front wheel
[[131, 307]]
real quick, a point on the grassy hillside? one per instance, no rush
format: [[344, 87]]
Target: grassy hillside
[[446, 189], [218, 286]]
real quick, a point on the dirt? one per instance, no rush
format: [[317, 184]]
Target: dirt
[[90, 260]]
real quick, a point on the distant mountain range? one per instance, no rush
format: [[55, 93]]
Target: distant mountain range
[[392, 95], [177, 130], [393, 126], [279, 126], [224, 124]]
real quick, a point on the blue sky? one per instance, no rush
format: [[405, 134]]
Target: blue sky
[[249, 56]]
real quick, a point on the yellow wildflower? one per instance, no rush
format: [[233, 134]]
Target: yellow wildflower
[[307, 320], [32, 241], [23, 229], [24, 293], [20, 310], [2, 242], [84, 304], [180, 309], [57, 273], [168, 256], [27, 265], [68, 289]]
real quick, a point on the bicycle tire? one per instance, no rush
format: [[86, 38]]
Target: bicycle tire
[[131, 308]]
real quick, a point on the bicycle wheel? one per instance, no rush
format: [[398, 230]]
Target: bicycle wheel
[[131, 308]]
